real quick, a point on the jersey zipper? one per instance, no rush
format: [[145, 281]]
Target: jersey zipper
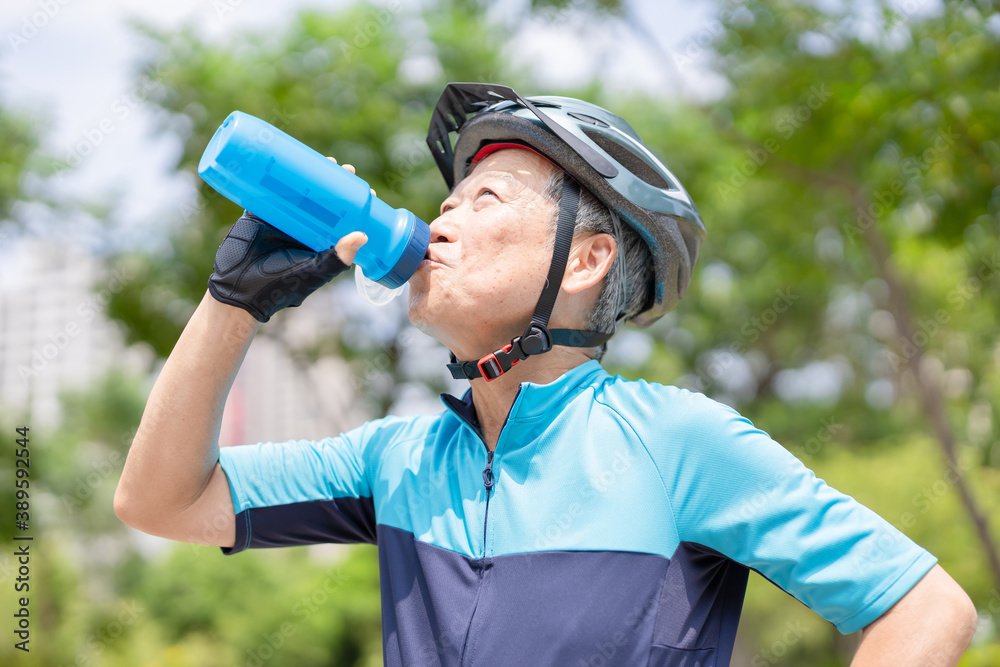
[[488, 479], [488, 483]]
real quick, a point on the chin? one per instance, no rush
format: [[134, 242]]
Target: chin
[[416, 310], [433, 320]]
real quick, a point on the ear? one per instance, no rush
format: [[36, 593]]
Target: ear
[[589, 261]]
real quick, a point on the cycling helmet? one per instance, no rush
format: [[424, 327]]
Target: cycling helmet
[[600, 152]]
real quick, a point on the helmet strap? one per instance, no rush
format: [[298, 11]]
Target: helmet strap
[[537, 339]]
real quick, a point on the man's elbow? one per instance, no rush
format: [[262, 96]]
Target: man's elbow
[[932, 624], [130, 511], [961, 613], [124, 508], [951, 616]]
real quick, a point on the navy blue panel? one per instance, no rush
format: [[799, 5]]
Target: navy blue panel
[[464, 408], [699, 608], [661, 656], [572, 608], [565, 608], [428, 597], [313, 522], [548, 608]]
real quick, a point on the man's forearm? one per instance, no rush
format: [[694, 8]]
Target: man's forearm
[[176, 446]]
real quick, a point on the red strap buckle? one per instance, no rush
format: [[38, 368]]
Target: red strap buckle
[[489, 366]]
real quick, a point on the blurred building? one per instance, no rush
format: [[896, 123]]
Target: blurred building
[[275, 399], [54, 337]]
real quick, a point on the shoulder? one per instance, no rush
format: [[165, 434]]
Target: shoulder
[[682, 429], [395, 429], [647, 404]]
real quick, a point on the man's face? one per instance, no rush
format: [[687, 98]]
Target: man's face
[[488, 257]]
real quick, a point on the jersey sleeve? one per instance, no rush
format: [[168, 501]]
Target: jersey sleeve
[[301, 491], [738, 492]]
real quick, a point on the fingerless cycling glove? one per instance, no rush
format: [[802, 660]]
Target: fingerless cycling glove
[[261, 269]]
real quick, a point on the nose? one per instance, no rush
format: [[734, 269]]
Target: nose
[[443, 229]]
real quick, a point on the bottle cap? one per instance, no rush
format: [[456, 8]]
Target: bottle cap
[[413, 253]]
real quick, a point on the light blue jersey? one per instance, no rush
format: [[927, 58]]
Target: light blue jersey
[[614, 524]]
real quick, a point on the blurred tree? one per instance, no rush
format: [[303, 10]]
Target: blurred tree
[[76, 539], [847, 297], [25, 170], [95, 599], [203, 608], [847, 293], [858, 212], [18, 142]]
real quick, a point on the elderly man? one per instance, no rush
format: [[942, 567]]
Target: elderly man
[[554, 515]]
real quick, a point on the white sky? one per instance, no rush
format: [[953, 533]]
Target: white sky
[[69, 62]]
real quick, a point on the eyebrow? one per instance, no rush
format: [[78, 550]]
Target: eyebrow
[[504, 176]]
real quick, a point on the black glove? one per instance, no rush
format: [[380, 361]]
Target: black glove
[[262, 270]]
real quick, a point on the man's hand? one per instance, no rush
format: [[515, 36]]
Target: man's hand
[[261, 269], [931, 626]]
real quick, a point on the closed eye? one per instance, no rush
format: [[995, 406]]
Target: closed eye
[[445, 207]]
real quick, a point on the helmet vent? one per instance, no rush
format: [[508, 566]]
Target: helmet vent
[[588, 119], [629, 160]]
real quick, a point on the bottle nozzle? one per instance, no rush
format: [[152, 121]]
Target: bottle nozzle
[[373, 292]]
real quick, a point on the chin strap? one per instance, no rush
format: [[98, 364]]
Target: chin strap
[[537, 339]]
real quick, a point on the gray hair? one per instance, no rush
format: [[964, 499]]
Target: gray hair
[[593, 216]]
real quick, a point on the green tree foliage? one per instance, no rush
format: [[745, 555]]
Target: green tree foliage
[[848, 179], [278, 607], [595, 6], [95, 599], [18, 144], [777, 168], [19, 147]]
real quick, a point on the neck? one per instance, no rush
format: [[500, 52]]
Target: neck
[[493, 400]]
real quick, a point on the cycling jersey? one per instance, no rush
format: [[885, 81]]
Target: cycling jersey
[[615, 524]]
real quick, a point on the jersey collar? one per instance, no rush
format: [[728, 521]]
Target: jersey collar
[[534, 400]]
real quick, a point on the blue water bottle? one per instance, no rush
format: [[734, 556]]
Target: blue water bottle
[[281, 180]]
